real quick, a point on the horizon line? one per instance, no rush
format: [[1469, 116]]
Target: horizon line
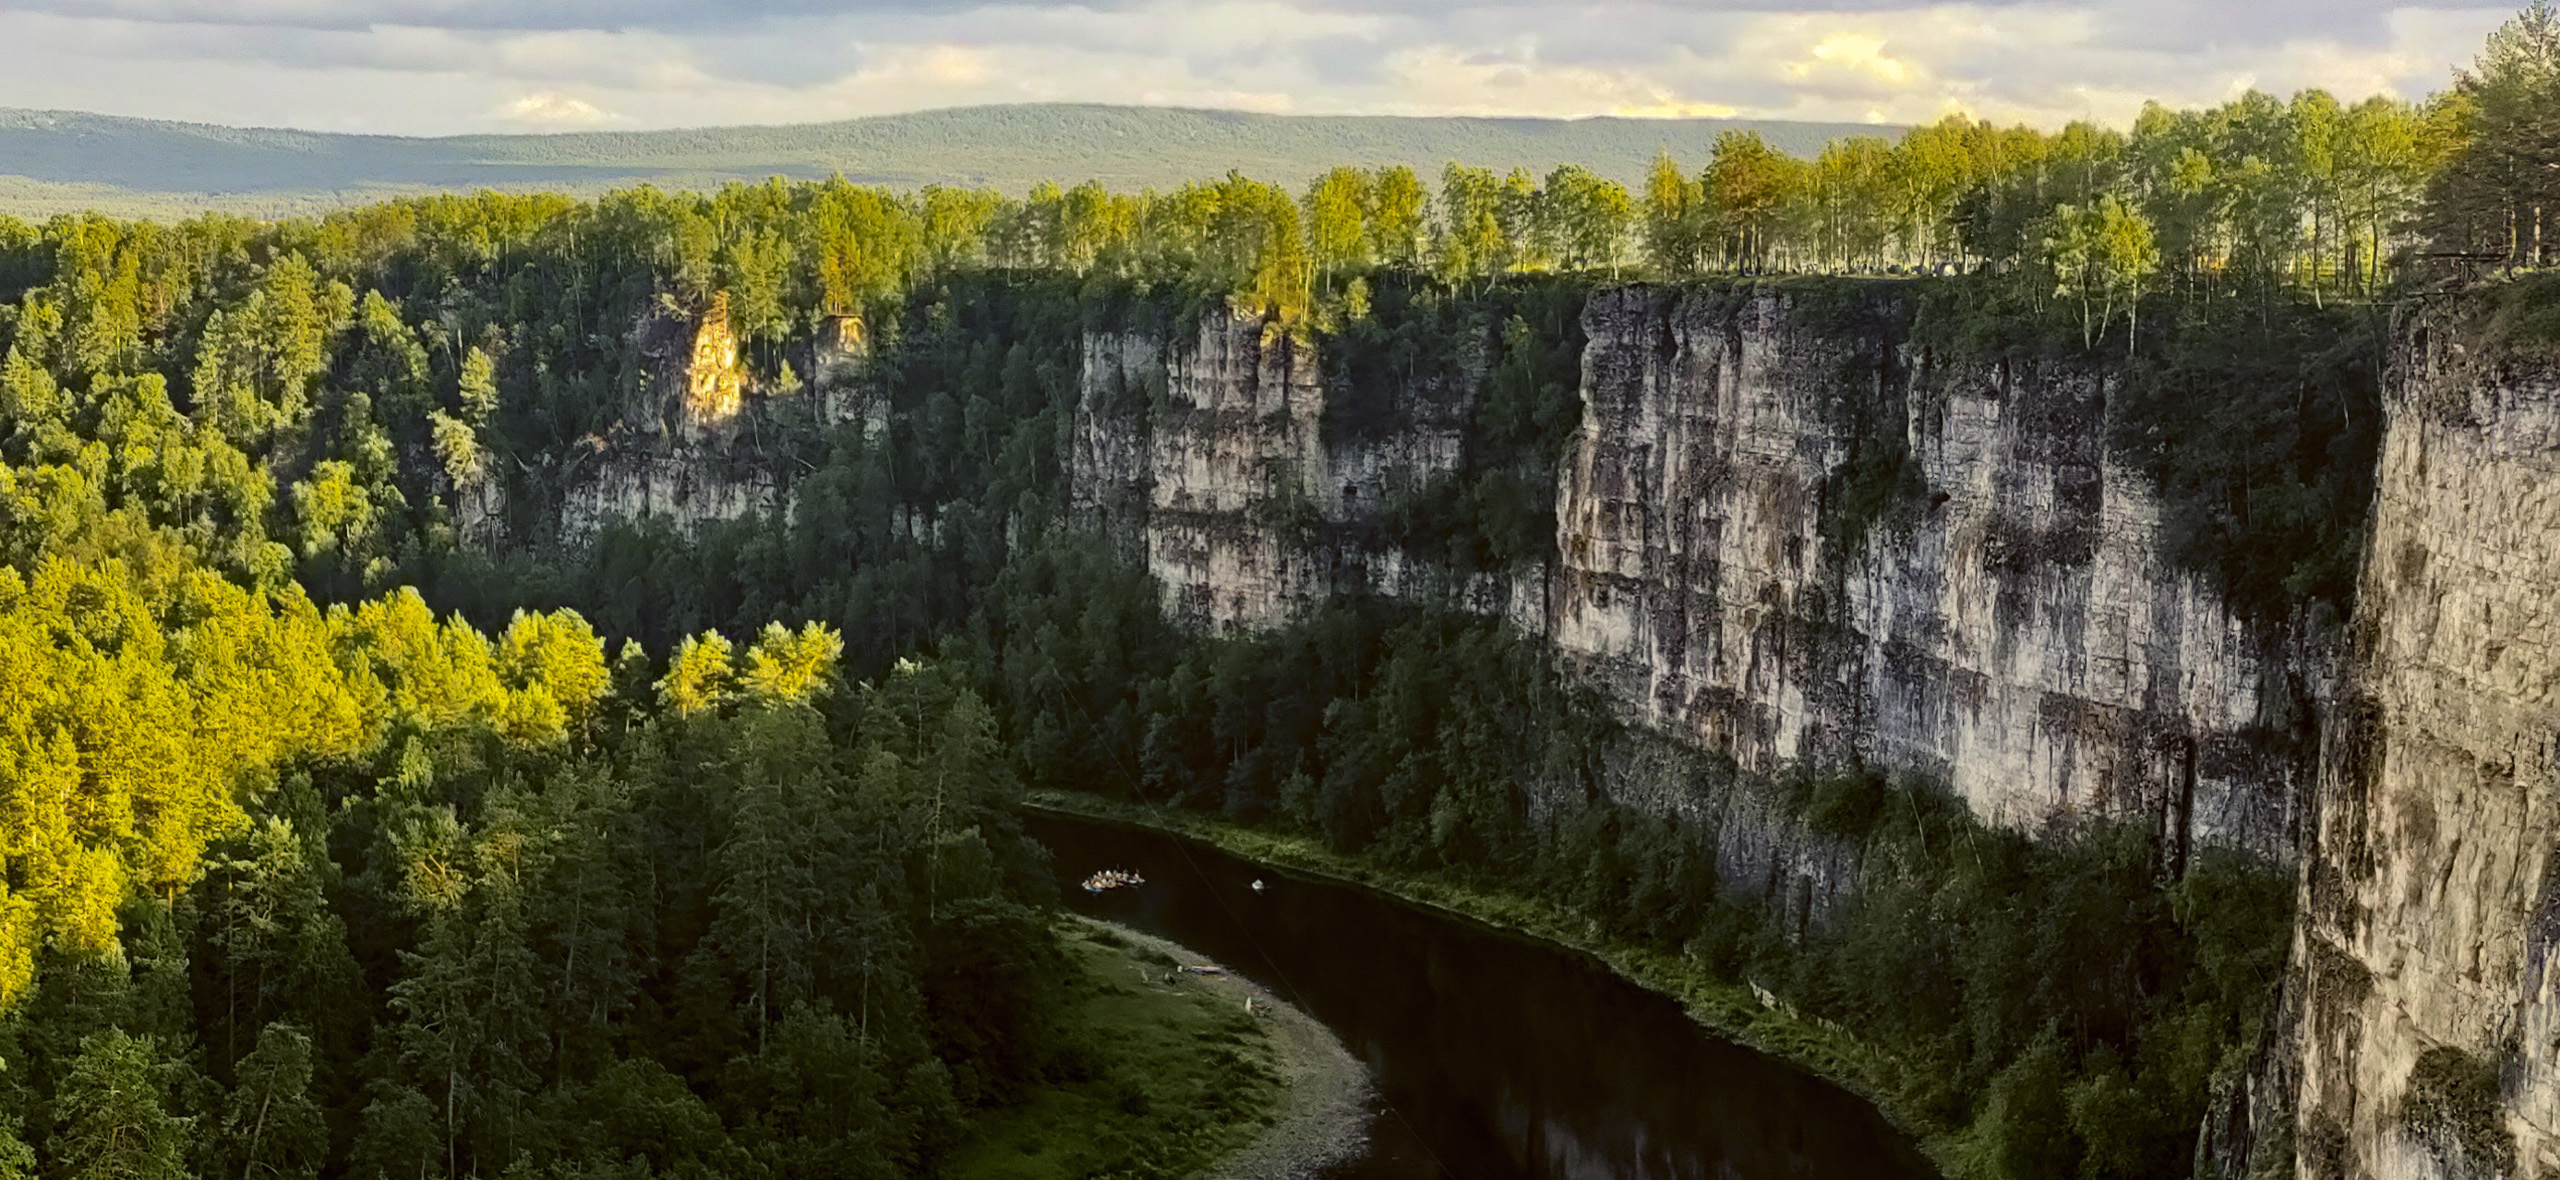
[[9, 112]]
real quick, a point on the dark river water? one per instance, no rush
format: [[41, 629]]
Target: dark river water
[[1494, 1055]]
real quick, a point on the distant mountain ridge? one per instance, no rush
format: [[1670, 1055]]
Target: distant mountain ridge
[[56, 160]]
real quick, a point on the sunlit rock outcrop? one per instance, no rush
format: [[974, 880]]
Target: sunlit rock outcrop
[[698, 440], [2430, 1043]]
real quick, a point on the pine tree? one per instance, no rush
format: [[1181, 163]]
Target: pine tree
[[2497, 193], [591, 913], [17, 1160], [270, 1125], [399, 1138], [110, 1108], [771, 890], [437, 1036], [476, 389], [510, 853]]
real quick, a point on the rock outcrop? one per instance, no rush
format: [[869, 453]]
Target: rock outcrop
[[1213, 459], [1209, 452], [715, 385], [1786, 534], [1790, 534], [2430, 1038], [696, 442]]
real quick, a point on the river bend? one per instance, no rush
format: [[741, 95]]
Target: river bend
[[1495, 1056]]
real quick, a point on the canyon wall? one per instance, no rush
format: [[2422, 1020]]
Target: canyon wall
[[1787, 532], [1212, 459], [2430, 1036], [1998, 615]]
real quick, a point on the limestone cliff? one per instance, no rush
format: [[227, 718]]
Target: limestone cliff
[[698, 439], [1790, 531], [2005, 621], [2430, 1043], [1209, 448], [1999, 616], [1210, 455]]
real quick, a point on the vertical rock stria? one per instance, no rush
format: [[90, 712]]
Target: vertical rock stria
[[1212, 456], [2430, 1043], [1788, 533], [1215, 443]]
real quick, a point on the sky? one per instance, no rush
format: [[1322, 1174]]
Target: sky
[[433, 67]]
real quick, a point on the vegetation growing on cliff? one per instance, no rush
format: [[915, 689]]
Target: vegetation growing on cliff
[[2261, 432], [1506, 364], [2451, 1106], [2257, 418]]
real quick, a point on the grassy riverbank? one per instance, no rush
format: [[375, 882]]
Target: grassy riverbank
[[1729, 1009], [1168, 1077]]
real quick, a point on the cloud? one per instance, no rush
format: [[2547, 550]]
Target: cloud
[[443, 66], [1856, 55], [483, 15], [550, 110]]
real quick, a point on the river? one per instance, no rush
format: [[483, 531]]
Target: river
[[1495, 1056]]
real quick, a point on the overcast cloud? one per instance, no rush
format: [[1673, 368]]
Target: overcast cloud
[[448, 66]]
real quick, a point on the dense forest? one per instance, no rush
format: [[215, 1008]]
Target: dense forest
[[336, 845]]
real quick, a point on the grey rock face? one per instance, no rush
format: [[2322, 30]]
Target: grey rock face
[[670, 456], [1211, 458], [1999, 618], [1206, 446], [1995, 613], [2005, 623], [2430, 902], [1785, 534]]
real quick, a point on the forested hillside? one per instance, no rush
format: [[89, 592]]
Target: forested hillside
[[67, 161], [335, 844]]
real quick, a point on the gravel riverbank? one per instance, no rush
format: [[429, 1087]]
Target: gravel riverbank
[[1324, 1115]]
